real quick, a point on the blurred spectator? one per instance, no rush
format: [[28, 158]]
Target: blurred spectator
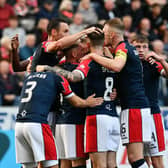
[[33, 6], [151, 2], [5, 12], [13, 29], [127, 20], [108, 11], [88, 12], [21, 8], [135, 10], [11, 2], [25, 7], [165, 12], [28, 50], [48, 10], [41, 30], [26, 16], [9, 85], [66, 11], [77, 24], [158, 47], [145, 29], [157, 21], [5, 49]]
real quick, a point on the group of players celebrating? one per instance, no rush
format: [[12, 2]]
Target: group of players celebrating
[[100, 67]]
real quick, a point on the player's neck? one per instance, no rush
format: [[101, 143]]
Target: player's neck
[[116, 41], [97, 49], [71, 59]]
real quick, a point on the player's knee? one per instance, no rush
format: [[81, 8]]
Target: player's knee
[[111, 164], [98, 164]]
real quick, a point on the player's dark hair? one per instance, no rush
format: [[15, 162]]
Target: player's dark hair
[[71, 47], [54, 24], [155, 5], [13, 17], [96, 38], [140, 39]]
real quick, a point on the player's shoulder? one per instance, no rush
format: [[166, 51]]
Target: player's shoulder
[[123, 46], [85, 63]]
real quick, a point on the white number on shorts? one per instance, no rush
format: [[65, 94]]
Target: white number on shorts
[[109, 87], [123, 129], [32, 85]]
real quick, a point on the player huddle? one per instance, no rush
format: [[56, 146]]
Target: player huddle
[[82, 92]]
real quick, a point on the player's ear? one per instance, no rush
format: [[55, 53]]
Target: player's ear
[[74, 53], [54, 32], [112, 34]]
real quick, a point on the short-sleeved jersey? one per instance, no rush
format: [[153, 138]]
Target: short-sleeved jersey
[[71, 114], [130, 78], [38, 94], [43, 57], [151, 83], [100, 81]]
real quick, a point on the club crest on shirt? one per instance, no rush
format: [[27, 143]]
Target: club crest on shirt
[[107, 70]]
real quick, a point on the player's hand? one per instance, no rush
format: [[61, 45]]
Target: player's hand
[[151, 60], [155, 56], [92, 102], [113, 95], [15, 42], [28, 69], [88, 56], [93, 30], [107, 52], [41, 68]]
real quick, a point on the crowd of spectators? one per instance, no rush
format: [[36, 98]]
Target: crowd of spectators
[[29, 19]]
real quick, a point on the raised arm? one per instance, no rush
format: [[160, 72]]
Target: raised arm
[[162, 61], [16, 64], [74, 76], [115, 64], [69, 40]]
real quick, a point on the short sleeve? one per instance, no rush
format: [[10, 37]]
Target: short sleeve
[[121, 51], [84, 68], [66, 89], [159, 68]]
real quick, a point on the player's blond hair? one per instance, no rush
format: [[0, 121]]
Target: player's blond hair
[[116, 25]]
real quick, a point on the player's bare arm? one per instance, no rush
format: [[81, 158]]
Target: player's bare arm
[[115, 64], [16, 64], [73, 76], [91, 101], [161, 60], [71, 39], [107, 52]]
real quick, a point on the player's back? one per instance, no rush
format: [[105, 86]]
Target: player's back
[[151, 83], [43, 57], [38, 93], [71, 114], [130, 80], [101, 82]]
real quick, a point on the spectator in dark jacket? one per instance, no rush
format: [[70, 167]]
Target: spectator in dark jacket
[[135, 10], [48, 10], [9, 85], [28, 50]]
